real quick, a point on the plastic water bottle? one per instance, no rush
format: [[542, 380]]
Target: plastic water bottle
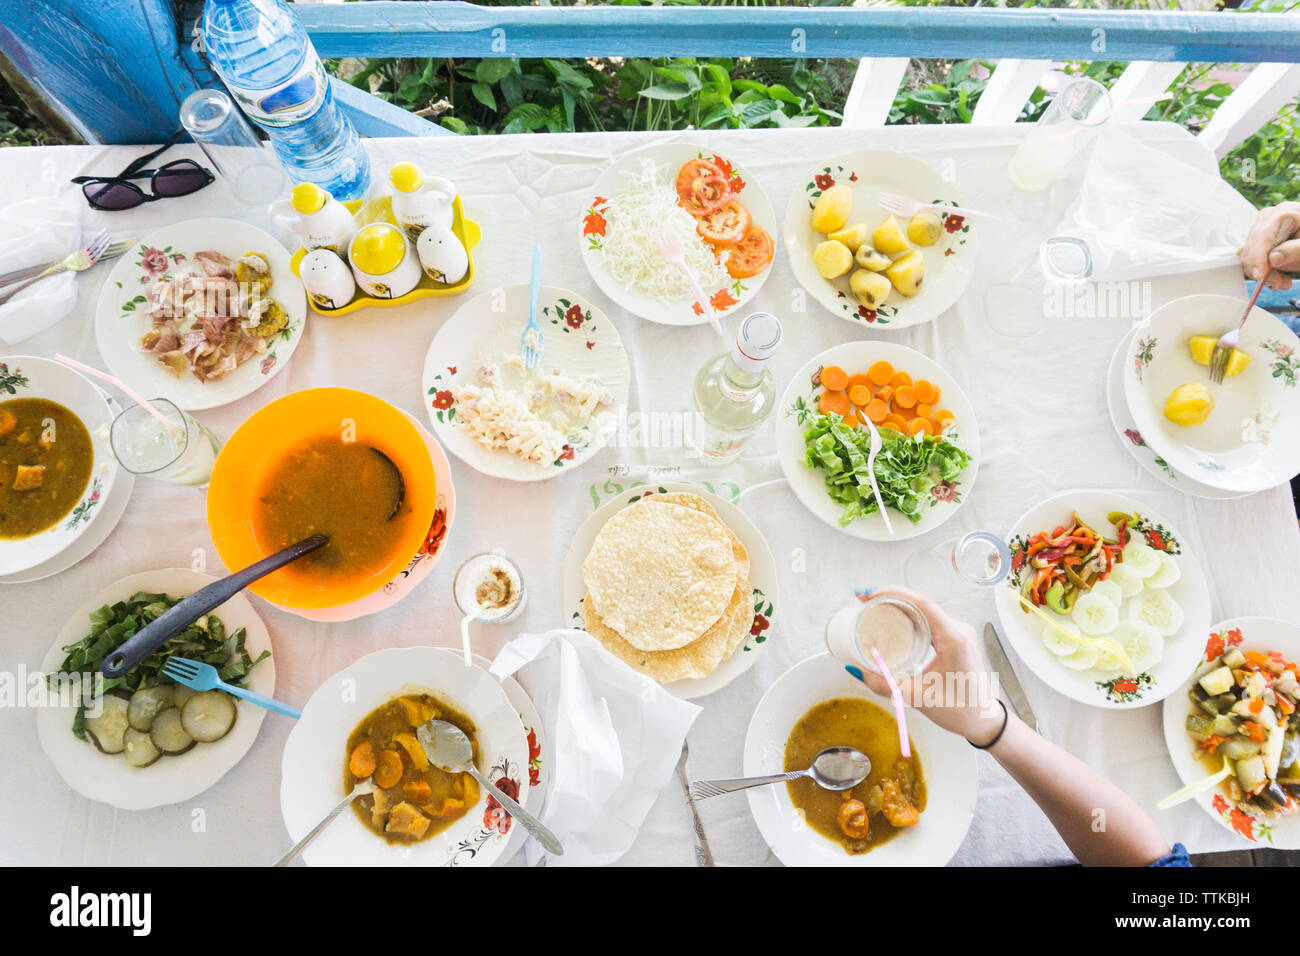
[[261, 51]]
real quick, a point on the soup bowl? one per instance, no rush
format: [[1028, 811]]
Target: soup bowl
[[26, 376], [260, 445]]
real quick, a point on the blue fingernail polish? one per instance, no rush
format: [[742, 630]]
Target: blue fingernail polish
[[853, 672], [863, 592]]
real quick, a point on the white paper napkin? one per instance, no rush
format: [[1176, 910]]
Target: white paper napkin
[[33, 232], [615, 739], [1143, 214]]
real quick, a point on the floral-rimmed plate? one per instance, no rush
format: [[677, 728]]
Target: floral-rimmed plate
[[120, 318], [1251, 439], [762, 577], [174, 779], [580, 341], [949, 263], [947, 766], [1250, 633], [799, 406], [312, 766], [594, 224], [1127, 431], [418, 568], [1114, 690], [27, 376]]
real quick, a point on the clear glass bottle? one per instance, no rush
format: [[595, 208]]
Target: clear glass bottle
[[734, 393]]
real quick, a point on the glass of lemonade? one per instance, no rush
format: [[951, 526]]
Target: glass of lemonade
[[892, 625], [182, 454], [1079, 108]]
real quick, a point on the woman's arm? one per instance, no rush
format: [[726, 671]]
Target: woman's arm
[[1100, 824]]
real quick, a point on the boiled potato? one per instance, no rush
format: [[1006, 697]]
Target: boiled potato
[[906, 273], [852, 236], [832, 259], [888, 237], [925, 228], [832, 208], [869, 258], [869, 288]]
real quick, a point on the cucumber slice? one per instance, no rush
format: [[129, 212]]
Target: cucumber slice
[[168, 733], [181, 693], [1156, 607], [140, 751], [1109, 590], [1083, 658], [107, 731], [1141, 642], [208, 716], [1108, 660], [1095, 615], [1169, 572], [146, 703], [1058, 640], [1141, 557], [1129, 582]]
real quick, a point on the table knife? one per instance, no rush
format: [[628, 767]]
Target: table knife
[[1007, 676]]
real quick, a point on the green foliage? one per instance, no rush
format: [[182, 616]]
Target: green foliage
[[18, 127]]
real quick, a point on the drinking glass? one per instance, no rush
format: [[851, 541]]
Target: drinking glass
[[233, 148], [977, 558], [848, 645], [182, 454], [1075, 113]]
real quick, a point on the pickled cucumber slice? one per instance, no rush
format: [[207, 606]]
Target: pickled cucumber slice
[[1083, 658], [1141, 642], [1058, 640]]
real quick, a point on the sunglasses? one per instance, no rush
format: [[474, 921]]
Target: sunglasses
[[178, 178]]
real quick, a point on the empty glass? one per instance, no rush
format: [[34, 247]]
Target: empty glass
[[233, 147], [1081, 107], [182, 454]]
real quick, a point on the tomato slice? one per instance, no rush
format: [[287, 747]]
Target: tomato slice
[[752, 254], [702, 187], [726, 225]]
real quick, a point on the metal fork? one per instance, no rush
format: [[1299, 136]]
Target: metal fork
[[78, 261], [876, 443], [199, 676], [1228, 340], [905, 206], [532, 341]]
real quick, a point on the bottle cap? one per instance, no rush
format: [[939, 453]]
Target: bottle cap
[[378, 249], [308, 198], [406, 177], [757, 338]]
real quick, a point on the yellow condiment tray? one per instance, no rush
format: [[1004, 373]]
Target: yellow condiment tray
[[465, 229]]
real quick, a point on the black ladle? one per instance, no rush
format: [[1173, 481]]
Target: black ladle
[[157, 632]]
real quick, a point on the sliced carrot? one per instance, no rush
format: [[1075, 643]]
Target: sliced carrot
[[923, 410], [859, 394], [885, 393], [362, 762], [417, 791], [876, 410], [389, 770], [944, 417], [919, 426], [880, 372], [934, 399], [904, 413], [835, 403], [900, 378], [905, 396], [891, 423], [834, 378], [862, 378], [924, 391], [898, 420]]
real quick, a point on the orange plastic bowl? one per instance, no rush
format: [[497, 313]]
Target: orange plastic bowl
[[261, 442]]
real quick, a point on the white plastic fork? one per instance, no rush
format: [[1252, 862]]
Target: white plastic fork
[[671, 248], [907, 207], [876, 443]]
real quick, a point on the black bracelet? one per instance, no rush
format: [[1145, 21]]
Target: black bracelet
[[1005, 718]]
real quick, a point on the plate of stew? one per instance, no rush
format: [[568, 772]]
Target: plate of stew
[[910, 811]]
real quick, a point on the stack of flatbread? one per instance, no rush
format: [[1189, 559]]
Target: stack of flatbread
[[668, 587]]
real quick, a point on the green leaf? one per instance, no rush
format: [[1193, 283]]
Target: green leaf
[[666, 91], [483, 93], [494, 70]]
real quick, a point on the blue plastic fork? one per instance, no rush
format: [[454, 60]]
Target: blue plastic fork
[[199, 676], [532, 341]]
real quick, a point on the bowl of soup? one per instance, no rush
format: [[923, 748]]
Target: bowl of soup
[[56, 466], [329, 461]]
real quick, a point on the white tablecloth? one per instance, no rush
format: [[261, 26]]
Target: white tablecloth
[[1042, 432]]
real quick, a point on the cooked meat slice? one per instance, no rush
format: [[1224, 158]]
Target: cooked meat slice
[[382, 804], [898, 810], [29, 477], [407, 821], [212, 263]]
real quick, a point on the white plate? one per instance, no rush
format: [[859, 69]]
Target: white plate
[[1216, 452], [312, 766], [809, 484], [580, 340], [1281, 833], [947, 766], [762, 576], [730, 296], [1108, 690], [120, 321], [1129, 436], [108, 778], [26, 376], [949, 263]]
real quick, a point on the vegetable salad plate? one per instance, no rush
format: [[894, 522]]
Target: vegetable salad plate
[[203, 312], [930, 452], [1242, 435], [888, 272], [53, 423], [1262, 744], [510, 422], [751, 618], [1107, 579], [713, 207], [316, 752], [947, 764], [172, 778]]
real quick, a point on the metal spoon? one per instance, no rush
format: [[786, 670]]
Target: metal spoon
[[449, 749], [362, 788], [835, 768]]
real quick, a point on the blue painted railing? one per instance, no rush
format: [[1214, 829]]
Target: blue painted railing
[[117, 69]]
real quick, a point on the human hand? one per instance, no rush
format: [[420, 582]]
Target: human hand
[[955, 690], [1258, 255]]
